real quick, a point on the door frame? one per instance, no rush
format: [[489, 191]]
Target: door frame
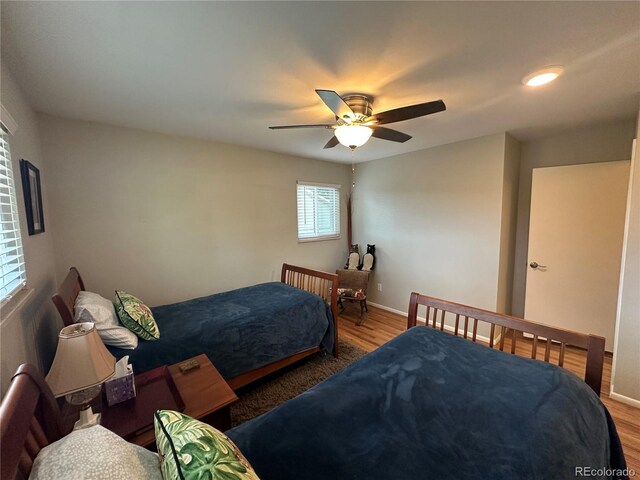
[[623, 261]]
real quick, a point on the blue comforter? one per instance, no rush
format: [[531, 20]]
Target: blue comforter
[[239, 330], [429, 405]]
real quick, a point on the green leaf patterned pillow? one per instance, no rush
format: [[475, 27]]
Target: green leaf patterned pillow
[[193, 450], [136, 316]]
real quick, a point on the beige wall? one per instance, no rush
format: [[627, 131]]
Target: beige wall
[[602, 143], [625, 378], [29, 333], [170, 218], [435, 216]]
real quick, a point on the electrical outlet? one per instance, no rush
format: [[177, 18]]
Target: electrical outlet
[[379, 287]]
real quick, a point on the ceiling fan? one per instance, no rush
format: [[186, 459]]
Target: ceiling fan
[[356, 123]]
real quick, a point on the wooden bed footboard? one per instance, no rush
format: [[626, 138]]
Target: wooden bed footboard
[[321, 283], [465, 321]]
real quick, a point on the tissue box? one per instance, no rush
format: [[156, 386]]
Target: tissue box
[[120, 389]]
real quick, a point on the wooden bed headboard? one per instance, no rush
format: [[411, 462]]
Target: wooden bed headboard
[[437, 310], [29, 420], [65, 299]]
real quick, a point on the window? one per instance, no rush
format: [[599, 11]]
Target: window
[[318, 211], [12, 270]]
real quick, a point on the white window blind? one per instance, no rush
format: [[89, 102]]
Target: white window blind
[[318, 211], [12, 269]]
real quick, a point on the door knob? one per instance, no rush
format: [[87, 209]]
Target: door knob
[[536, 265]]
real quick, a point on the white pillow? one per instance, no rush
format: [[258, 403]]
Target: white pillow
[[95, 453], [91, 307]]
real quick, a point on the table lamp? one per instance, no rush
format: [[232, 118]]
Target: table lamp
[[82, 363]]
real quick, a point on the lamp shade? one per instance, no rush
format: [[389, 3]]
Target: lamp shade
[[82, 361], [353, 136]]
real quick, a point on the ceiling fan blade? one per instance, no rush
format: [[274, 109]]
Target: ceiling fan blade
[[332, 143], [389, 134], [317, 125], [407, 113], [336, 104]]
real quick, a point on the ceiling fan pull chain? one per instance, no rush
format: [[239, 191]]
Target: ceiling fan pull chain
[[353, 170]]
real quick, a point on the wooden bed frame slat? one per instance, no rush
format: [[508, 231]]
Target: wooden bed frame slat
[[320, 283], [547, 350], [492, 335], [38, 433], [593, 344]]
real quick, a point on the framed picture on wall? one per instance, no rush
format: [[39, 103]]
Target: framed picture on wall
[[32, 197]]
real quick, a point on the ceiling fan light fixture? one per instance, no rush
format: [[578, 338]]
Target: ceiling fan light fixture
[[353, 136], [543, 76], [355, 122]]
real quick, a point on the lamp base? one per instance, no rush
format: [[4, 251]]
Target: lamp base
[[87, 419]]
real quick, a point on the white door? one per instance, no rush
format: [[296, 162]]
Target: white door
[[575, 245]]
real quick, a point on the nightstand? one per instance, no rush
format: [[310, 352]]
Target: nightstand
[[206, 395]]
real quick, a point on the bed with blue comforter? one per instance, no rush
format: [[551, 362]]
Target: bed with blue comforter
[[239, 330], [430, 405]]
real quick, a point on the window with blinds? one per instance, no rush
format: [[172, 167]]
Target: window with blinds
[[12, 269], [318, 211]]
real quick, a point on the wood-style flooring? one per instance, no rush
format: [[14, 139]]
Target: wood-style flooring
[[381, 326]]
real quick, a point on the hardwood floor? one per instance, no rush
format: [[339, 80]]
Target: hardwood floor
[[381, 326]]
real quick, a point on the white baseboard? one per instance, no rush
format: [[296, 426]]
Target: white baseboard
[[388, 309], [448, 328], [623, 399]]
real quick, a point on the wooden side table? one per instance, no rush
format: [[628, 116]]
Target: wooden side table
[[206, 395]]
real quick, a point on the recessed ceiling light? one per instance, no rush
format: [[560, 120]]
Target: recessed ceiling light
[[543, 76]]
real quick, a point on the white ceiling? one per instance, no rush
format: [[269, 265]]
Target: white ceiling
[[227, 70]]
